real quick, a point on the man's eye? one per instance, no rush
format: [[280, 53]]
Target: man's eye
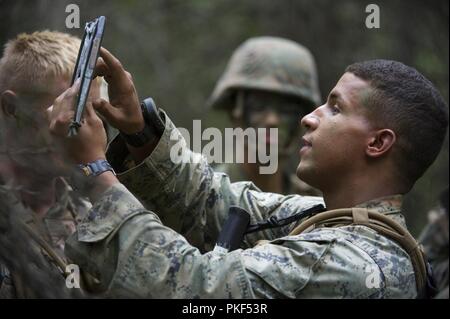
[[334, 109]]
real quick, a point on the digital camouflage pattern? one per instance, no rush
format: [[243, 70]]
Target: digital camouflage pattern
[[270, 64], [135, 253], [57, 225]]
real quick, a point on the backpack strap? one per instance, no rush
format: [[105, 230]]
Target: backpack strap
[[59, 262], [382, 224]]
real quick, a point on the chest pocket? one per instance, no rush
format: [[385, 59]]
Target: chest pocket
[[287, 264]]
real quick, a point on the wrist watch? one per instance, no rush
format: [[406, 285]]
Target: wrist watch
[[81, 177], [153, 129], [95, 168]]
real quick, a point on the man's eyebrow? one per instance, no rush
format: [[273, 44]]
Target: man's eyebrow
[[335, 96]]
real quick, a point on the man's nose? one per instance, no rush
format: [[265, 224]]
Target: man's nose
[[310, 121]]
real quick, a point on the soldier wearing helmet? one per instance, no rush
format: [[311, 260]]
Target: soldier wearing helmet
[[269, 83]]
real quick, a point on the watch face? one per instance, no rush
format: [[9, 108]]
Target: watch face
[[86, 171]]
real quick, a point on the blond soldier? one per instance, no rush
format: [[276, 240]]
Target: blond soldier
[[34, 70]]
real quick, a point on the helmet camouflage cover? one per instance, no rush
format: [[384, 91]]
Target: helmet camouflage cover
[[270, 64]]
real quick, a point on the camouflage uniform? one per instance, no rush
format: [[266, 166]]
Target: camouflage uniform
[[435, 242], [274, 65], [57, 225], [134, 254]]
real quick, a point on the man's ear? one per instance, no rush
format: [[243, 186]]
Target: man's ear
[[8, 102], [380, 143]]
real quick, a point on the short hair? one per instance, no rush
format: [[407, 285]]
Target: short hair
[[30, 60], [409, 104]]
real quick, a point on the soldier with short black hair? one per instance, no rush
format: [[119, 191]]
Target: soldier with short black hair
[[352, 151]]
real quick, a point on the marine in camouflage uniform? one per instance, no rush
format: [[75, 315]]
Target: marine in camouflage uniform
[[134, 252], [434, 239], [154, 261], [286, 72]]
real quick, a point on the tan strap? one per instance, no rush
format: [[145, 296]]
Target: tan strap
[[382, 224], [84, 278], [328, 215], [46, 247], [360, 216]]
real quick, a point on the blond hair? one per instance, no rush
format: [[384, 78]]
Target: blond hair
[[30, 60]]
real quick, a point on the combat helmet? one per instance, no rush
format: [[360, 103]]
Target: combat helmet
[[270, 64]]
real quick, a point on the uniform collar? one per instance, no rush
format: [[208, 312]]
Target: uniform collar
[[389, 205], [384, 205]]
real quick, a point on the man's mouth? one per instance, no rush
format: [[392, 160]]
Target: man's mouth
[[304, 145]]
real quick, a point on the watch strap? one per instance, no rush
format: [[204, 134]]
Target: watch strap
[[154, 126], [96, 168]]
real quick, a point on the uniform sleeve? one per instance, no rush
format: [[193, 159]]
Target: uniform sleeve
[[193, 199], [134, 255], [434, 239]]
